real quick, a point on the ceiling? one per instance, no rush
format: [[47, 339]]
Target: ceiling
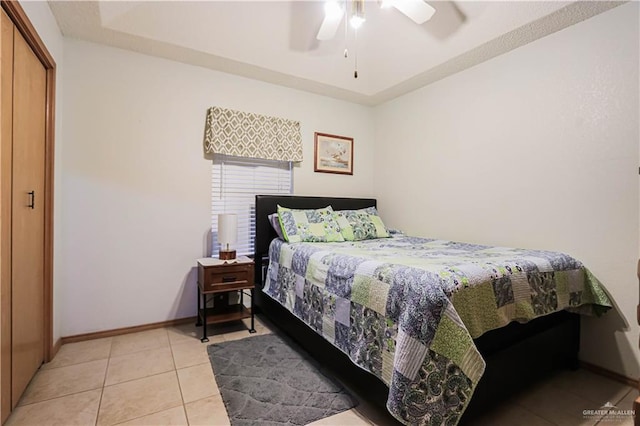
[[274, 41]]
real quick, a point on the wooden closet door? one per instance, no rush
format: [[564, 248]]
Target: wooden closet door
[[6, 145], [29, 100]]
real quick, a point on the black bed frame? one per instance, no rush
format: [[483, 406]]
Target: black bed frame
[[516, 355]]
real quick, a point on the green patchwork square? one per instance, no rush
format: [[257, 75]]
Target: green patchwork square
[[360, 290], [286, 256], [562, 289], [378, 294], [477, 307], [328, 329], [450, 340], [316, 228], [317, 272], [562, 282], [524, 310], [300, 216], [593, 293]]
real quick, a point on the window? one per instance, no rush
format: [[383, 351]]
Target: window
[[235, 181]]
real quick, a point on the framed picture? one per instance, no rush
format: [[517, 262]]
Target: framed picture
[[333, 154]]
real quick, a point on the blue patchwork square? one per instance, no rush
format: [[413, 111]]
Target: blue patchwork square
[[299, 286], [343, 311]]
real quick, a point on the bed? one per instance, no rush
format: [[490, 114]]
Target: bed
[[424, 343]]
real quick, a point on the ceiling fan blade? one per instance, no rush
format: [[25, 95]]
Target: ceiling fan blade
[[447, 21], [329, 27], [417, 10]]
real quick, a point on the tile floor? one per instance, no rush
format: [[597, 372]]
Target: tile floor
[[163, 377]]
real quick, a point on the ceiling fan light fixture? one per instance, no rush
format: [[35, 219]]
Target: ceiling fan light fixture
[[333, 10], [356, 21], [357, 14]]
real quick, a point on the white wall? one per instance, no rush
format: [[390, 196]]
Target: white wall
[[45, 24], [136, 186], [536, 148]]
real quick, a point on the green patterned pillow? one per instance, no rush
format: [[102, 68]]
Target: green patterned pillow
[[363, 224], [313, 226]]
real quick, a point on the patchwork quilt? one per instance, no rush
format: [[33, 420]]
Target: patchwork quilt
[[407, 309]]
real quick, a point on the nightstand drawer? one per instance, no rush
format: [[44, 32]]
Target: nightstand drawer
[[230, 277]]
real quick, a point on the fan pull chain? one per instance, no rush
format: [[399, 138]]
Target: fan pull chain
[[357, 18], [346, 29], [355, 70]]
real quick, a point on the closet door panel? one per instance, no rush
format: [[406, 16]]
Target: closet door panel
[[29, 100], [6, 143]]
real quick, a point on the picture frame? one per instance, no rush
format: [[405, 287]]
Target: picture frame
[[333, 154]]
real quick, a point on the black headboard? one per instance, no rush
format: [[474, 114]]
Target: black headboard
[[267, 204]]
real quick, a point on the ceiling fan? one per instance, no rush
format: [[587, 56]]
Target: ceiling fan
[[335, 11]]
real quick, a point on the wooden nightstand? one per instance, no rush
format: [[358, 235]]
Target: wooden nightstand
[[217, 277]]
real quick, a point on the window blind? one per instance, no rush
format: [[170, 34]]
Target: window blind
[[235, 181]]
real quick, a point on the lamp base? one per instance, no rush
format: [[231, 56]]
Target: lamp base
[[227, 254]]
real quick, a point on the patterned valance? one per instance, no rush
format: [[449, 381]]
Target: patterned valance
[[244, 134]]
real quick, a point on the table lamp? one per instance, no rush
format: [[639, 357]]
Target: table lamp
[[227, 234]]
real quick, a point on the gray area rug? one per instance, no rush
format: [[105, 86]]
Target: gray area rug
[[269, 380]]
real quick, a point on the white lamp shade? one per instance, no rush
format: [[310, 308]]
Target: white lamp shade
[[227, 228]]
